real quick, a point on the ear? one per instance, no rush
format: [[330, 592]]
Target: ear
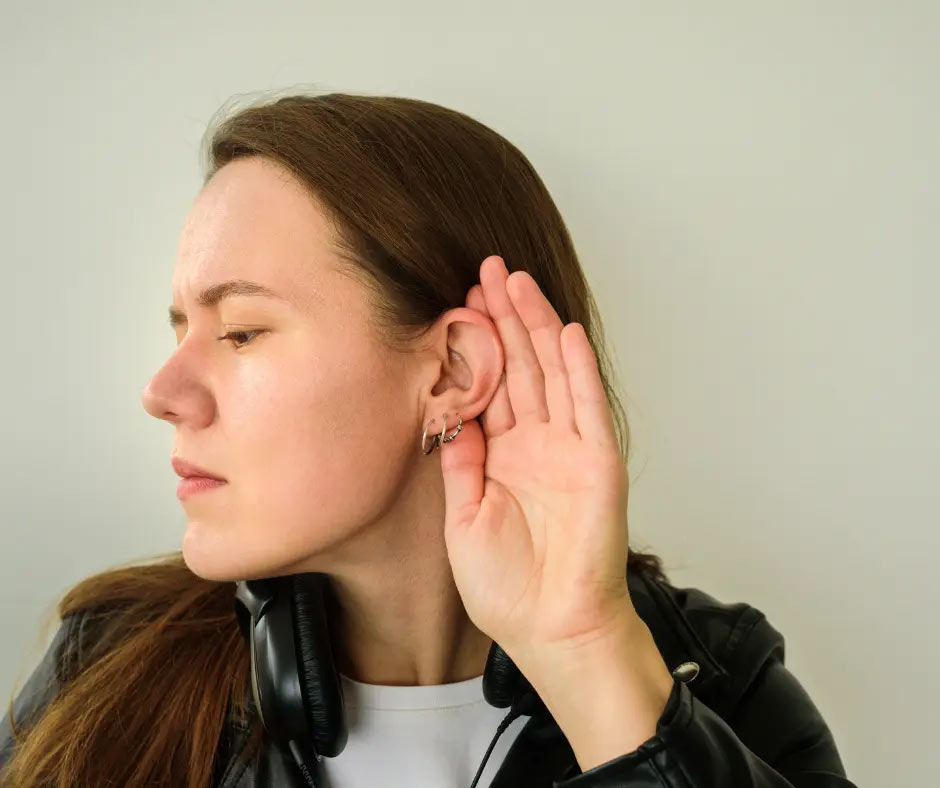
[[469, 357]]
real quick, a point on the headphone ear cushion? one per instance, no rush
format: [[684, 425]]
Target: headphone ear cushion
[[505, 685], [320, 683]]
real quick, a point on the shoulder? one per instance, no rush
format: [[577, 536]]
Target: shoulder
[[72, 647], [731, 641], [745, 684], [48, 677], [726, 626]]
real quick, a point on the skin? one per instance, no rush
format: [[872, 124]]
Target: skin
[[316, 425]]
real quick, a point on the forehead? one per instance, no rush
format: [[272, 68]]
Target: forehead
[[253, 221]]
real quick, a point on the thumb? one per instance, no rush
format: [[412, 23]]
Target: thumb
[[462, 462]]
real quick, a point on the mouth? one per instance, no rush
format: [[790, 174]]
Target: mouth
[[188, 469], [194, 485]]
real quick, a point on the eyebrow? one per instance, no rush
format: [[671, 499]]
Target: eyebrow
[[214, 294]]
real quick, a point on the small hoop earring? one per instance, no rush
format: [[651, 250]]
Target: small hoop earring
[[437, 440], [447, 439], [425, 437]]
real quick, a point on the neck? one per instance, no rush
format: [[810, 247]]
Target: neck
[[410, 638], [396, 615]]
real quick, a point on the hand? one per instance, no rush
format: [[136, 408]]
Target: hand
[[536, 497]]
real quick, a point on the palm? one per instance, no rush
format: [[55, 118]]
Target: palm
[[535, 521]]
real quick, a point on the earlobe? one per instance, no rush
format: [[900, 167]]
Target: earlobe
[[442, 437]]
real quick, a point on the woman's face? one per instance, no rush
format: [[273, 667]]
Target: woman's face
[[312, 421]]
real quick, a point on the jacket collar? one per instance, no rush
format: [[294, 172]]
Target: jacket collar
[[672, 632], [540, 750]]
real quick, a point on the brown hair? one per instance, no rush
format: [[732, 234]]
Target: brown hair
[[418, 195]]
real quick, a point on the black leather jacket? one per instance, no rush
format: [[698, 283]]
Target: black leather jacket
[[741, 721]]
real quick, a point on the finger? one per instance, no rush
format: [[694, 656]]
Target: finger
[[475, 300], [544, 327], [497, 417], [524, 377], [591, 409]]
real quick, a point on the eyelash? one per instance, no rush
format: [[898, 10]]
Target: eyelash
[[231, 334]]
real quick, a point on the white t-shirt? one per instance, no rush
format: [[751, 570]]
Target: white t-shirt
[[432, 736]]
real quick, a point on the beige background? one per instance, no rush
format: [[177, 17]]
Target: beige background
[[752, 188]]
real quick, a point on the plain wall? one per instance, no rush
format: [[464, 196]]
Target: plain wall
[[751, 187]]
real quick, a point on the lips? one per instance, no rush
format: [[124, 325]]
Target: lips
[[187, 469]]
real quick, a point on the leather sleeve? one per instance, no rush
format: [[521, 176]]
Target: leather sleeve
[[38, 690], [773, 736]]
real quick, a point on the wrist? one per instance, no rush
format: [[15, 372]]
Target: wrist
[[608, 696]]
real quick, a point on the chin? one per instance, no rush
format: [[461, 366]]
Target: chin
[[213, 555], [221, 557]]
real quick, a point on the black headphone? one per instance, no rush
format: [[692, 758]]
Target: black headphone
[[294, 680]]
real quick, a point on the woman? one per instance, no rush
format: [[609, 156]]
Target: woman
[[343, 290]]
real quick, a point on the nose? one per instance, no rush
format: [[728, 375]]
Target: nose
[[148, 400], [154, 404]]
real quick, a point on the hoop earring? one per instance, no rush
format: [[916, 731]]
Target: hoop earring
[[437, 440]]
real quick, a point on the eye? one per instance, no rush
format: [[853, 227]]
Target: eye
[[233, 334]]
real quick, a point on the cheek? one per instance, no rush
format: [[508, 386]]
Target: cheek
[[315, 458], [326, 443]]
